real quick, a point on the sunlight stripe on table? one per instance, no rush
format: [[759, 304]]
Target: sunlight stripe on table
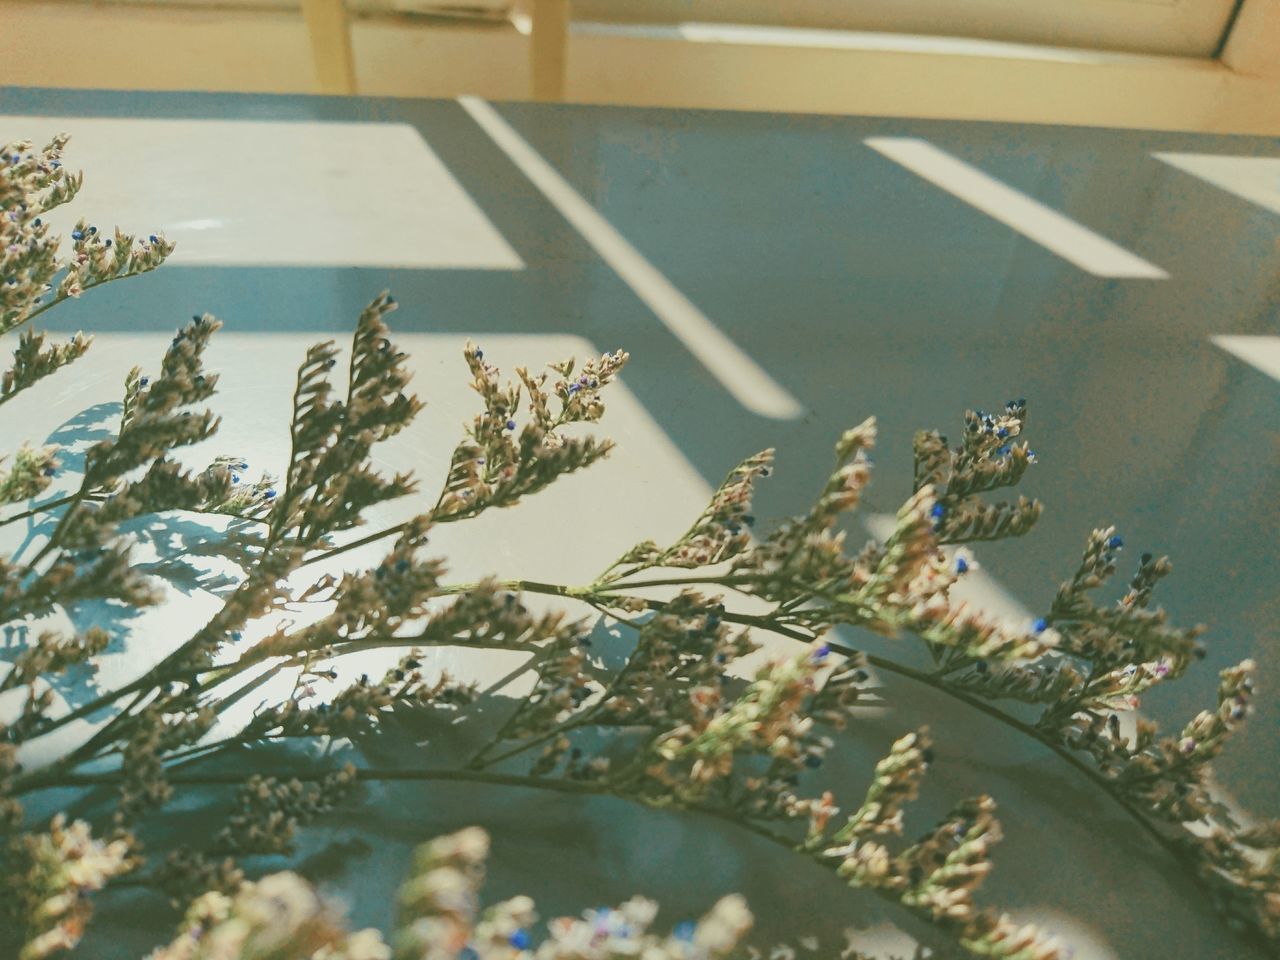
[[1262, 352], [1256, 179], [1057, 233], [745, 380]]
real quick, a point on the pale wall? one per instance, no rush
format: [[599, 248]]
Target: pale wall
[[149, 48]]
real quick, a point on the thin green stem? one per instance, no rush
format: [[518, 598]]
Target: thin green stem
[[581, 720], [473, 776], [59, 298], [39, 508]]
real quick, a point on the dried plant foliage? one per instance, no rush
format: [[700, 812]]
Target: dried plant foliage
[[683, 723]]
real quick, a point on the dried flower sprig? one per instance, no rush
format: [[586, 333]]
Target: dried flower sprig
[[495, 467], [754, 745], [31, 184]]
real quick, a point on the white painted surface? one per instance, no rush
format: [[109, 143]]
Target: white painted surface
[[284, 194], [1261, 352], [824, 39], [1256, 179], [749, 384], [1059, 234]]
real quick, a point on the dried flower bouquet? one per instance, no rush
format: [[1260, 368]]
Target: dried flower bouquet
[[687, 722]]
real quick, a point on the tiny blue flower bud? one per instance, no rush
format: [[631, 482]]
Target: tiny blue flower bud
[[520, 939], [938, 511], [1040, 625], [962, 565], [106, 243], [1002, 432], [270, 494], [821, 652], [479, 354], [143, 381], [402, 565], [684, 931], [235, 478], [1115, 543], [511, 424], [153, 238], [77, 235], [36, 222]]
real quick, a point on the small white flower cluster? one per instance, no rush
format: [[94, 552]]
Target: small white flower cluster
[[54, 873], [280, 917]]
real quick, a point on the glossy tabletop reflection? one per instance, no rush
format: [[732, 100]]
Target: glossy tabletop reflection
[[776, 279]]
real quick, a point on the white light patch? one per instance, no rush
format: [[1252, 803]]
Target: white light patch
[[1256, 179], [1052, 230], [1260, 352], [306, 194]]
